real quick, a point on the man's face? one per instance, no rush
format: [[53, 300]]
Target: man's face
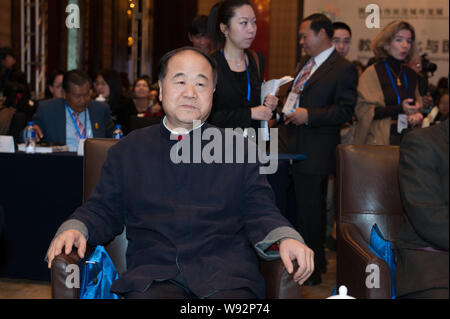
[[78, 97], [187, 90], [8, 62], [201, 42], [309, 41], [342, 41], [153, 95], [141, 90]]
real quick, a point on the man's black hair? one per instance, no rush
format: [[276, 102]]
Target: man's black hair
[[320, 21], [76, 77], [199, 25], [163, 63], [342, 26], [5, 51]]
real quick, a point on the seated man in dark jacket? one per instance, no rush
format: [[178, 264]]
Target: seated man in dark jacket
[[67, 121], [194, 229], [422, 245]]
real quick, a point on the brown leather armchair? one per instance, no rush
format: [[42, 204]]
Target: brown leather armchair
[[279, 284], [367, 193]]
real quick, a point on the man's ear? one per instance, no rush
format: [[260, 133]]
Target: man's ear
[[160, 91], [323, 34]]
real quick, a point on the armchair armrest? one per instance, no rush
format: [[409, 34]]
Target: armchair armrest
[[279, 284], [59, 276], [353, 257]]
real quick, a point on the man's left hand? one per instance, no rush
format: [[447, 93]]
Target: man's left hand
[[298, 117], [291, 249]]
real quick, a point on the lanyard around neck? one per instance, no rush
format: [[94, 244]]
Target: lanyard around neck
[[393, 83], [76, 125], [249, 87]]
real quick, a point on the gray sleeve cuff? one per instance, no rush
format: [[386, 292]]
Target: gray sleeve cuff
[[274, 236], [74, 224]]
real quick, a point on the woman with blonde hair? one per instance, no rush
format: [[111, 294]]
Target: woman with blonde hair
[[388, 96]]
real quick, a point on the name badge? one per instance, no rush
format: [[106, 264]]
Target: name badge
[[291, 101], [81, 147], [402, 123]]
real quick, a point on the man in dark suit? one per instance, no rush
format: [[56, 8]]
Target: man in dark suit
[[322, 98], [193, 229], [67, 121], [422, 244]]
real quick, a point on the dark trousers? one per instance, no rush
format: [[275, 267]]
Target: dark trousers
[[172, 290], [310, 195], [283, 188]]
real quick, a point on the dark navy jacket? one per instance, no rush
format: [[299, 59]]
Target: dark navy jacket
[[202, 220], [51, 118]]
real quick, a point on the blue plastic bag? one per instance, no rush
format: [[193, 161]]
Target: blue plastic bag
[[98, 274], [383, 250]]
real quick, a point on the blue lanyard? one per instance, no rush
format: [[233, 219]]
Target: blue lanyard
[[393, 84], [75, 123], [249, 87]]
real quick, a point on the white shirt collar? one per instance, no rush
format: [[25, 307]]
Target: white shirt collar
[[322, 56], [182, 131]]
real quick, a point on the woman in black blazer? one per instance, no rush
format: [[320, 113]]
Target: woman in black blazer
[[237, 98]]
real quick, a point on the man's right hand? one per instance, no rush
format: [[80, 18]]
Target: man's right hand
[[39, 134], [66, 240]]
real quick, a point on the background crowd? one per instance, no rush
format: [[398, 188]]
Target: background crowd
[[333, 101]]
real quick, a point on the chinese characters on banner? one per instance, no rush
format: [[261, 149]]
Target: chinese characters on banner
[[430, 19]]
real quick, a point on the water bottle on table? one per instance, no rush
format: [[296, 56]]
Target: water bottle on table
[[117, 133], [30, 138]]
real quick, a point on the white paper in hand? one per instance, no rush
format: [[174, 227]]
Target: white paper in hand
[[271, 87]]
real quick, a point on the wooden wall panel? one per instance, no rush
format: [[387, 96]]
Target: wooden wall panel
[[5, 18]]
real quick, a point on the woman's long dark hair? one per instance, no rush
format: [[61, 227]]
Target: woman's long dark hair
[[51, 79], [222, 12]]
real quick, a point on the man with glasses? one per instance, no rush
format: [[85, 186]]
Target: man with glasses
[[342, 38]]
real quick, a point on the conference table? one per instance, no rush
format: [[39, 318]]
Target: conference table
[[40, 191]]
